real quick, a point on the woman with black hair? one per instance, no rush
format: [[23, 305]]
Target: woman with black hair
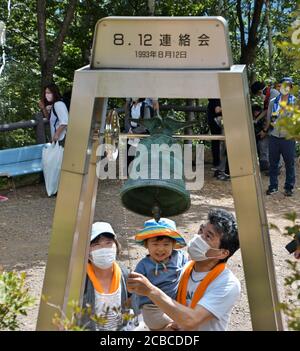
[[56, 111]]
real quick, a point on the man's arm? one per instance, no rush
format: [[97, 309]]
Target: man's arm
[[187, 318], [269, 113]]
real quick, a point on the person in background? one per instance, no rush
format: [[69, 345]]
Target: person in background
[[135, 109], [222, 168], [213, 112], [56, 111], [278, 143]]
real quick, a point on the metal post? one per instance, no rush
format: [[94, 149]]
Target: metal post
[[248, 200], [70, 200], [81, 245]]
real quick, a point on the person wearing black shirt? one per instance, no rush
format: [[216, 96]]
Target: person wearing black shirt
[[214, 128]]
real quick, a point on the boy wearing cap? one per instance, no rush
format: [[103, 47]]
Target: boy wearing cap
[[278, 144], [105, 288], [162, 266]]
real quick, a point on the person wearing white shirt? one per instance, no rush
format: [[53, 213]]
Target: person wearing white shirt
[[56, 111], [208, 290]]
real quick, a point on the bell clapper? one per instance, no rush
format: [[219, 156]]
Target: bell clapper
[[156, 211]]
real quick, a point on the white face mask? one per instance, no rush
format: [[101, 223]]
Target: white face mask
[[284, 90], [104, 258], [197, 249], [49, 97]]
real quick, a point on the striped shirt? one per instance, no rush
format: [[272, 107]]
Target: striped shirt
[[108, 306]]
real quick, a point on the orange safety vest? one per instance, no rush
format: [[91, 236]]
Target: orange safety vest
[[182, 289], [115, 283]]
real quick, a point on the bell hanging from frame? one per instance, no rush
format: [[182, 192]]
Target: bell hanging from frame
[[156, 187]]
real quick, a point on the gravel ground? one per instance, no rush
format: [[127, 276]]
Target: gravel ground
[[26, 220]]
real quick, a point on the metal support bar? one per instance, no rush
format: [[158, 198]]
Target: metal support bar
[[69, 223], [80, 244], [248, 200], [180, 137]]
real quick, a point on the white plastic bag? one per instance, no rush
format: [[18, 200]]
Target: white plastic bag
[[52, 156]]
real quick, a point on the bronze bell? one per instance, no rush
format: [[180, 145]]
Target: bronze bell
[[157, 197]]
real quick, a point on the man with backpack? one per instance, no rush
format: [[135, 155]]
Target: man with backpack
[[136, 109]]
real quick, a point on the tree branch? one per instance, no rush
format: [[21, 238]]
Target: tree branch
[[58, 43], [241, 23], [255, 22], [41, 24], [19, 32]]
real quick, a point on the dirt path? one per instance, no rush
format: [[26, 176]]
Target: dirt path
[[26, 219]]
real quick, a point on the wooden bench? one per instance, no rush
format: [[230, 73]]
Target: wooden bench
[[21, 160]]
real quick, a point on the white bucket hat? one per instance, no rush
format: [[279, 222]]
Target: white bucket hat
[[99, 228]]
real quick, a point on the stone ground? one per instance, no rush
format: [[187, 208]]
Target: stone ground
[[26, 219]]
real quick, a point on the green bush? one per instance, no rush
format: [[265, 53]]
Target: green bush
[[14, 299], [291, 307]]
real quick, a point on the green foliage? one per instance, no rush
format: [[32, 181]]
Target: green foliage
[[73, 323], [20, 80], [291, 307], [14, 299], [290, 121], [63, 323]]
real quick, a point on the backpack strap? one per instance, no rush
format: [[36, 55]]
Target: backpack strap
[[57, 119], [143, 109]]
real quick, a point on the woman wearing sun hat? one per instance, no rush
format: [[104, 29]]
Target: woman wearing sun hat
[[162, 266]]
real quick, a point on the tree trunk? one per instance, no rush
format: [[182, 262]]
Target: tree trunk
[[48, 58], [270, 43], [248, 50]]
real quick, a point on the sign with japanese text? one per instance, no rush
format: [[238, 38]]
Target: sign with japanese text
[[161, 42]]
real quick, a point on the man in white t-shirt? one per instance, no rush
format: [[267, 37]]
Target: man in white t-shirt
[[208, 290]]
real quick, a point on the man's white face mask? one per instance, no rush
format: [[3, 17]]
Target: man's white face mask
[[197, 248], [285, 89], [104, 258]]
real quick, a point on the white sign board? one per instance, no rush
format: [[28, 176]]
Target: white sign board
[[162, 42]]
